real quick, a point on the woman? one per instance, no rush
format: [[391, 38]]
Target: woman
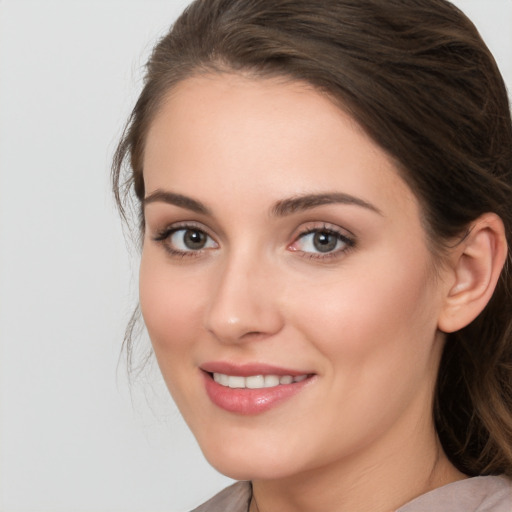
[[325, 194]]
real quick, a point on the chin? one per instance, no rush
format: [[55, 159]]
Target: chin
[[240, 464]]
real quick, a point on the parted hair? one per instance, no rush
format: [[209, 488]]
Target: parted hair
[[418, 78]]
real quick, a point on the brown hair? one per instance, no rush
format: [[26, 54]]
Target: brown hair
[[418, 78]]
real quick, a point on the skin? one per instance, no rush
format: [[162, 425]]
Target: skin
[[362, 318]]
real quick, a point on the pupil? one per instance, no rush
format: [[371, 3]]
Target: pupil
[[324, 242], [194, 239]]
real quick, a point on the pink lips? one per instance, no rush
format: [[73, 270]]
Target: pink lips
[[249, 401]]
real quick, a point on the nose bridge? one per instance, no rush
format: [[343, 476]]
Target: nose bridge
[[243, 298]]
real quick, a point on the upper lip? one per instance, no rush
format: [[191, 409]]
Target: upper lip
[[248, 369]]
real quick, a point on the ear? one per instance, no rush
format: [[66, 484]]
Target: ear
[[475, 266]]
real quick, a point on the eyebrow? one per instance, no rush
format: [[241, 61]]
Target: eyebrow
[[177, 200], [280, 209], [308, 201]]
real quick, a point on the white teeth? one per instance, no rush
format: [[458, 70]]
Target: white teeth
[[221, 378], [271, 381], [236, 382], [255, 381]]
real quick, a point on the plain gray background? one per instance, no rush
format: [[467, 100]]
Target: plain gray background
[[72, 437]]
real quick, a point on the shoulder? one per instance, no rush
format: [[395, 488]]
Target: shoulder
[[234, 498], [478, 494]]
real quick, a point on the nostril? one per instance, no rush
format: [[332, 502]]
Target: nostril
[[255, 336]]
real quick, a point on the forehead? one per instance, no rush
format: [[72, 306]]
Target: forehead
[[221, 134]]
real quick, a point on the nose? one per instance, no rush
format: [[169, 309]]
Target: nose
[[243, 305]]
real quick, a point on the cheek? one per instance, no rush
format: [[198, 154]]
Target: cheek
[[170, 305], [374, 320], [376, 334]]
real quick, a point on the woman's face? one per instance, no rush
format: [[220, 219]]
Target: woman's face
[[285, 281]]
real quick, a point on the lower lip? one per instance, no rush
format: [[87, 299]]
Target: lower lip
[[250, 401]]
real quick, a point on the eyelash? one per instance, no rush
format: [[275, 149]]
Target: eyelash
[[349, 242], [164, 236]]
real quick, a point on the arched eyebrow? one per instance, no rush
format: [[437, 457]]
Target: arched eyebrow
[[308, 201], [179, 200], [281, 208]]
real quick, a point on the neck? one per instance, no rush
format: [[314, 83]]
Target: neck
[[380, 478]]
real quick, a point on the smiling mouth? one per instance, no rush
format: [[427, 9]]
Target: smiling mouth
[[253, 388], [256, 381]]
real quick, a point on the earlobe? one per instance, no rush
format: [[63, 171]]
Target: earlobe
[[476, 264]]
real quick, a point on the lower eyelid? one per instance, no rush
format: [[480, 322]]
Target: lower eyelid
[[347, 243], [333, 255], [163, 237]]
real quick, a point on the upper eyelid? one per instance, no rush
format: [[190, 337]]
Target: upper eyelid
[[312, 227], [343, 234], [300, 231], [327, 230], [163, 238], [155, 225], [176, 226], [349, 240]]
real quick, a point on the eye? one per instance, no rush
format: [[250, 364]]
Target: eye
[[190, 240], [318, 242], [185, 240]]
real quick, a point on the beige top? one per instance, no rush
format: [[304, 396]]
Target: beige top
[[478, 494]]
